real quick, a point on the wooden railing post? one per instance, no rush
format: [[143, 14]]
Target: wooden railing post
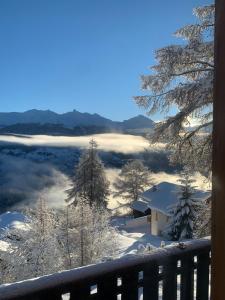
[[218, 166], [130, 285], [187, 278], [106, 288], [80, 292], [170, 280], [151, 281], [203, 276]]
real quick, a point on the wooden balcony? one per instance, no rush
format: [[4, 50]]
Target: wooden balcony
[[172, 273]]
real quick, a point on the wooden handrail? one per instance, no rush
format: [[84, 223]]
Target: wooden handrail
[[134, 272]]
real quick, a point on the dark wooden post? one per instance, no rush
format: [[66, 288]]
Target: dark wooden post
[[218, 200]]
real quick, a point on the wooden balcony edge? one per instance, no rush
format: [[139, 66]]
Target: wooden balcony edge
[[84, 275]]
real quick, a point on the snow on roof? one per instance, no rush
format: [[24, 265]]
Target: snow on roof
[[140, 205], [164, 195]]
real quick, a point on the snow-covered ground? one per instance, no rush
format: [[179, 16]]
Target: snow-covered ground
[[136, 242], [129, 240], [12, 220], [135, 239], [4, 246]]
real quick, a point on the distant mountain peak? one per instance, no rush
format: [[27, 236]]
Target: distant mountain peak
[[34, 110], [139, 121], [72, 119], [31, 110]]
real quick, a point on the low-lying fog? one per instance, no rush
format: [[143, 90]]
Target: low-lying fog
[[24, 176], [123, 143], [55, 194]]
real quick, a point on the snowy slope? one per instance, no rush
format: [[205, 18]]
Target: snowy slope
[[4, 246], [12, 219]]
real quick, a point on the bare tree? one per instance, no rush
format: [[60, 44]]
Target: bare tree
[[89, 236], [133, 179], [202, 225], [56, 240], [35, 250]]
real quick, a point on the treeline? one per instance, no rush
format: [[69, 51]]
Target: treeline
[[55, 129]]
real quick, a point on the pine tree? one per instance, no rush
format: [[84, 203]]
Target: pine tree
[[183, 78], [133, 179], [90, 182], [183, 213]]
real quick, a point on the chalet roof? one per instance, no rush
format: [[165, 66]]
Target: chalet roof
[[164, 195], [140, 205]]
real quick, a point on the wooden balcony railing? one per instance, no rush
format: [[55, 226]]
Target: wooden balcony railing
[[170, 273]]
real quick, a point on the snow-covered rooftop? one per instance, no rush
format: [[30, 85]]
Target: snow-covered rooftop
[[164, 195], [140, 205]]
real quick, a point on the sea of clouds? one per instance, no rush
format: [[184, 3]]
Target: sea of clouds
[[123, 143]]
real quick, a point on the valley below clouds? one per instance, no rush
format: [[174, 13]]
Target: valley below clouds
[[40, 166]]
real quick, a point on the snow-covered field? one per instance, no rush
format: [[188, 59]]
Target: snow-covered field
[[138, 242]]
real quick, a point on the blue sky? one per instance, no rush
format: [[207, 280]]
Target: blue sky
[[83, 54]]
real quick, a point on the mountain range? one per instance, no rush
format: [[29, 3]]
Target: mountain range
[[41, 121]]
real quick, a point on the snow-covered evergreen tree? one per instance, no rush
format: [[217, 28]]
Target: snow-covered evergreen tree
[[133, 179], [90, 182], [184, 212], [183, 78]]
